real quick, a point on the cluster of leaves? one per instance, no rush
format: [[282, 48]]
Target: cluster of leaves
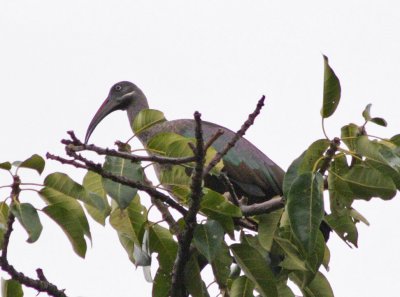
[[366, 167], [288, 244]]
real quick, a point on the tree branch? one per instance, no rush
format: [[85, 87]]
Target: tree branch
[[238, 135], [263, 207], [89, 165], [76, 145], [185, 239], [330, 153], [39, 285]]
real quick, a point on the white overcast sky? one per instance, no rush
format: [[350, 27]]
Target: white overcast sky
[[58, 60]]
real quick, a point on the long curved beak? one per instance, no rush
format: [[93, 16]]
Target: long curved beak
[[105, 109]]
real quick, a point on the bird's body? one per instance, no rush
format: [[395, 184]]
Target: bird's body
[[252, 173]]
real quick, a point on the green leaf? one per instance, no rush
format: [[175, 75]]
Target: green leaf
[[379, 121], [159, 143], [310, 160], [291, 174], [315, 259], [177, 146], [70, 217], [366, 182], [255, 268], [161, 242], [367, 116], [225, 221], [35, 162], [395, 140], [305, 206], [3, 221], [215, 206], [340, 194], [242, 287], [29, 219], [59, 186], [293, 259], [92, 182], [313, 156], [327, 258], [358, 217], [128, 245], [381, 156], [122, 194], [175, 176], [344, 226], [180, 147], [221, 266], [5, 165], [332, 90], [319, 287], [284, 290], [60, 189], [11, 288], [267, 225], [147, 118], [253, 241], [208, 238], [192, 278], [349, 134], [367, 113], [129, 221], [214, 202], [161, 283]]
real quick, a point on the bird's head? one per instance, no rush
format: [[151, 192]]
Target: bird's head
[[121, 96]]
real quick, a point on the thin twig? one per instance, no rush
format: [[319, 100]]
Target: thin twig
[[213, 139], [238, 135], [76, 145], [231, 189], [89, 165], [177, 287]]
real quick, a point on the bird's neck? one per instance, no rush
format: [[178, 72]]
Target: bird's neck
[[139, 103]]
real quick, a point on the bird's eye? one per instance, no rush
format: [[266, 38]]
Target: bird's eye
[[118, 88]]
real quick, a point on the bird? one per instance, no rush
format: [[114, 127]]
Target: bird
[[253, 174]]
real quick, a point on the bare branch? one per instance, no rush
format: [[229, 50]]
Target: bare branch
[[185, 239], [335, 143], [238, 135], [231, 189], [213, 139], [41, 285], [263, 207], [76, 145]]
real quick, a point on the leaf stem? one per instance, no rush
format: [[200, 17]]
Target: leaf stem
[[323, 128]]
